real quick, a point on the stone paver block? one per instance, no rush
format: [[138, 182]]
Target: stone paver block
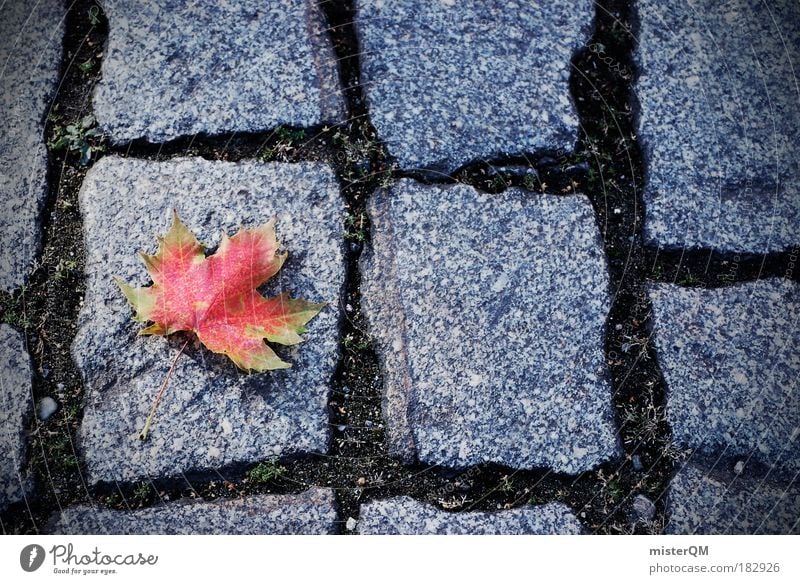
[[405, 516], [212, 414], [719, 123], [705, 500], [729, 358], [178, 68], [309, 513], [489, 315], [16, 406], [449, 83], [30, 60]]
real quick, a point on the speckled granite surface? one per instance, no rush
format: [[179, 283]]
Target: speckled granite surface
[[16, 407], [451, 82], [30, 59], [178, 68], [719, 123], [729, 359], [489, 314], [212, 414], [309, 513], [405, 516]]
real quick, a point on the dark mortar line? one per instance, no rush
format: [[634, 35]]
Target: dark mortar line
[[54, 290], [356, 451], [419, 481], [539, 173], [339, 17], [600, 92], [715, 269], [232, 146]]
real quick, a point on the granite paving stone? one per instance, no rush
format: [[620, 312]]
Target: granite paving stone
[[488, 313], [710, 498], [406, 516], [312, 512], [448, 83], [16, 407], [178, 68], [719, 123], [730, 362], [30, 54], [212, 414]]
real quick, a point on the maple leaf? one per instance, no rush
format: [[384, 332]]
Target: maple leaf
[[216, 297]]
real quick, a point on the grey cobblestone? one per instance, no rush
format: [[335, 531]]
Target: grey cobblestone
[[405, 516], [178, 68], [30, 54], [489, 314], [454, 82], [720, 123], [211, 414], [706, 500], [309, 513], [16, 407], [729, 359]]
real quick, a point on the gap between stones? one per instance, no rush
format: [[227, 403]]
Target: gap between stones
[[606, 166]]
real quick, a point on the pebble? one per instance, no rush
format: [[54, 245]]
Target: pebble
[[636, 461], [47, 407], [351, 524], [643, 508], [739, 467]]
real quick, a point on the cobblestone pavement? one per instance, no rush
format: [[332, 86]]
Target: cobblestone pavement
[[557, 246]]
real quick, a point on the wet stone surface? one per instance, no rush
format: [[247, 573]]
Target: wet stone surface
[[309, 513], [450, 83], [729, 359], [709, 498], [719, 123], [178, 68], [16, 406], [212, 414], [30, 53], [405, 516], [488, 313]]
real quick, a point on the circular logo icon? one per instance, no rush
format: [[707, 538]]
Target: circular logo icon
[[31, 557]]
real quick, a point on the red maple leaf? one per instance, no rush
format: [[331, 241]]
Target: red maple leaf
[[216, 297]]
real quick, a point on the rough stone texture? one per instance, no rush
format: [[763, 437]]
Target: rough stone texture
[[405, 516], [16, 405], [729, 358], [706, 501], [309, 513], [177, 68], [449, 82], [30, 59], [489, 314], [720, 123], [212, 414]]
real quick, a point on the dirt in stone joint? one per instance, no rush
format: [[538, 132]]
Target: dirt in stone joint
[[606, 166]]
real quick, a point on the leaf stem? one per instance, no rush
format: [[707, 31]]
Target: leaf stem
[[143, 433]]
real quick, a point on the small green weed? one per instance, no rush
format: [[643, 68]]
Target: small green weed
[[265, 472], [355, 228], [82, 138]]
